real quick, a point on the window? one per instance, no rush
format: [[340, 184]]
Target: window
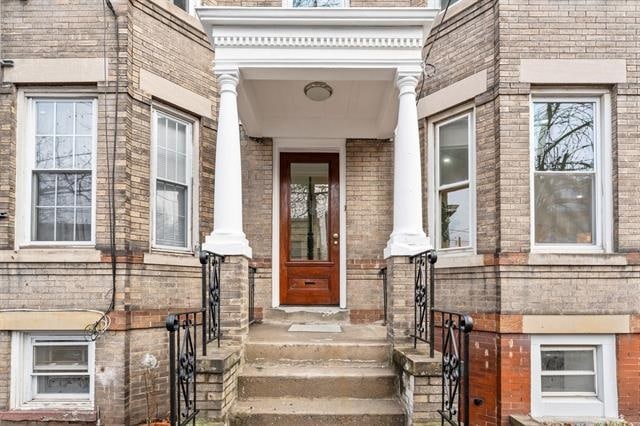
[[62, 163], [172, 184], [568, 370], [453, 176], [567, 155], [52, 371], [573, 375], [188, 6]]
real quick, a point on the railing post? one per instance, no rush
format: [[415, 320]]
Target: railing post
[[204, 261], [171, 324], [466, 325], [432, 257], [383, 275]]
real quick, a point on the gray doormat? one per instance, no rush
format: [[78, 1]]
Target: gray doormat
[[316, 328]]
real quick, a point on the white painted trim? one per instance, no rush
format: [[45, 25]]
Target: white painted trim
[[192, 174], [434, 185], [603, 169], [330, 16], [605, 404], [311, 146], [454, 94], [25, 159], [21, 395], [573, 71]]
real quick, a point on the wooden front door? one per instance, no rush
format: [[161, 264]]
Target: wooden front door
[[309, 229]]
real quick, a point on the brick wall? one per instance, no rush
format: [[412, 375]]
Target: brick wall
[[628, 364]]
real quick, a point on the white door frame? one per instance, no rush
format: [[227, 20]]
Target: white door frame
[[307, 145]]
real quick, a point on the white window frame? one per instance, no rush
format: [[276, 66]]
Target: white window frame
[[22, 394], [289, 4], [604, 403], [434, 189], [191, 6], [28, 162], [603, 204], [191, 135]]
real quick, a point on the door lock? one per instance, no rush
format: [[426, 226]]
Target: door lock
[[336, 236]]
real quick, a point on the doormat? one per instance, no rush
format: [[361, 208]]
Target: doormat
[[316, 328]]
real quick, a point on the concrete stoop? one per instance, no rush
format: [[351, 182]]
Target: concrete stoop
[[306, 315], [305, 378]]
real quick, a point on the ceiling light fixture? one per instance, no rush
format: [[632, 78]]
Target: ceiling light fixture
[[318, 91]]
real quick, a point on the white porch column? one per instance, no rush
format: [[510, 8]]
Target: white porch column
[[408, 237], [227, 237]]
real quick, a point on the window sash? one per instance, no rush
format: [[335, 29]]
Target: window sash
[[187, 184], [569, 373], [458, 185], [597, 211]]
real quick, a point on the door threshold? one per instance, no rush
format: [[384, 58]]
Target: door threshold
[[310, 308]]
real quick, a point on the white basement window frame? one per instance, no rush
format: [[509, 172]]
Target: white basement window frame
[[175, 119], [437, 124], [27, 377], [601, 401], [602, 211], [58, 166]]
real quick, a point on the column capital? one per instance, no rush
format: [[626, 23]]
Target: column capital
[[228, 79], [407, 82]]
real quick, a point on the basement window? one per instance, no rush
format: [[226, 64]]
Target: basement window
[[573, 376], [52, 371]]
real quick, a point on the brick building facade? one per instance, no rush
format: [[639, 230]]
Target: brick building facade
[[492, 60]]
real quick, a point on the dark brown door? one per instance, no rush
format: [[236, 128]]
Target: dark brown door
[[309, 229]]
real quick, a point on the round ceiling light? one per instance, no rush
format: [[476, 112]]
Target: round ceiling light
[[318, 91]]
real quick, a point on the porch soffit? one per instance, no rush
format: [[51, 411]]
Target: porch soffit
[[276, 51]]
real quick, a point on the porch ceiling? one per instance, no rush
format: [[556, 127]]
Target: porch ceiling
[[359, 52]]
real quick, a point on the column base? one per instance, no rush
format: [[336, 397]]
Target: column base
[[405, 244], [228, 244]]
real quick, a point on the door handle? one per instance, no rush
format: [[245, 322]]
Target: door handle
[[336, 236]]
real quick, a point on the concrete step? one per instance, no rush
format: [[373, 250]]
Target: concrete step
[[316, 381], [306, 315], [310, 351], [323, 411]]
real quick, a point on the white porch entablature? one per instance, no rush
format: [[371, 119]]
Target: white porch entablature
[[372, 60], [277, 51]]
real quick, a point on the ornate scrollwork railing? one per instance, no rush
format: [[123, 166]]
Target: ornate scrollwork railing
[[182, 366], [211, 329], [455, 328], [424, 294]]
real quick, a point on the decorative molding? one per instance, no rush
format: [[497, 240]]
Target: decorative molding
[[317, 41]]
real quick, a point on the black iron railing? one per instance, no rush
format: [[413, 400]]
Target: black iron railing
[[182, 366], [424, 295], [455, 330], [383, 275], [211, 328], [252, 294]]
